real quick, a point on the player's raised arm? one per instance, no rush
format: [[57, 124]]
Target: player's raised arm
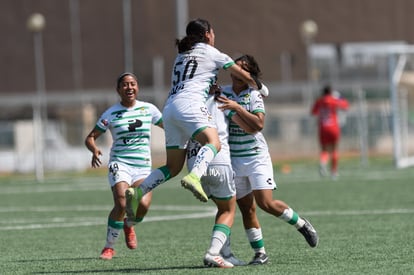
[[252, 80], [244, 75]]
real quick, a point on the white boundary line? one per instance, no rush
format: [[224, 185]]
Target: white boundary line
[[89, 208], [59, 222]]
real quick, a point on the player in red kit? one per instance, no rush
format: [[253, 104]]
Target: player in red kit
[[326, 109]]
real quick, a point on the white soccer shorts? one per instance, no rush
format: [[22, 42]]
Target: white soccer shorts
[[218, 182], [253, 173], [182, 119], [118, 171]]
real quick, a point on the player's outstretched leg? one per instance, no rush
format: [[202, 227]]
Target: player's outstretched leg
[[192, 182]]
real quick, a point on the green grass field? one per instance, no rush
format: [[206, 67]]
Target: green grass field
[[365, 221]]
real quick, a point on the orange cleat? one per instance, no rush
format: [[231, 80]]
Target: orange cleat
[[130, 237], [107, 253]]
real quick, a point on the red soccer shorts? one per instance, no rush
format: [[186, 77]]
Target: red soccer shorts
[[328, 136]]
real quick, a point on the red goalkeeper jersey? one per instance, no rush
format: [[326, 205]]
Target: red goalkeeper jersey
[[326, 108]]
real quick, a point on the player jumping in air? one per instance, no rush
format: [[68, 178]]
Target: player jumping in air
[[185, 113]]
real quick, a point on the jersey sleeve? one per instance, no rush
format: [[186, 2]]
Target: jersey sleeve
[[222, 60], [256, 102], [156, 114], [104, 121], [343, 104]]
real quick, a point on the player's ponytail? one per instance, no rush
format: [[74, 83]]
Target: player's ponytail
[[196, 30]]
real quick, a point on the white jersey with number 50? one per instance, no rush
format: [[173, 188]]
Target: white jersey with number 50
[[195, 71]]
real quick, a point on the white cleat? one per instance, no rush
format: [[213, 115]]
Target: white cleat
[[216, 261]]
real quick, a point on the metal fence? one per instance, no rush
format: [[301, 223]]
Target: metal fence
[[291, 132]]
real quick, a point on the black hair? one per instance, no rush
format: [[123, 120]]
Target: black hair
[[250, 64], [327, 90], [121, 77], [195, 33]]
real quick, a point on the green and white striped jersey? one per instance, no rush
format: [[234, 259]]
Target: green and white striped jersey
[[131, 132], [241, 143]]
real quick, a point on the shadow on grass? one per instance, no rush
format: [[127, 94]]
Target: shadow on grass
[[60, 259], [123, 270], [113, 270]]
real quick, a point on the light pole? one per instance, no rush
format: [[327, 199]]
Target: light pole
[[36, 23], [308, 31], [127, 17], [181, 17], [75, 33]]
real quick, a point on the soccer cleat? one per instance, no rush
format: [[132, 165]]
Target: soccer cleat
[[107, 253], [233, 260], [259, 258], [133, 196], [309, 233], [334, 175], [130, 237], [216, 261], [192, 182]]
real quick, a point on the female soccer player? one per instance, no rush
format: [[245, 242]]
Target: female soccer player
[[326, 108], [129, 122], [185, 113], [218, 183], [252, 163]]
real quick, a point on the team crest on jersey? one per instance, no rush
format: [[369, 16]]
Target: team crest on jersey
[[119, 114], [143, 111], [245, 98]]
